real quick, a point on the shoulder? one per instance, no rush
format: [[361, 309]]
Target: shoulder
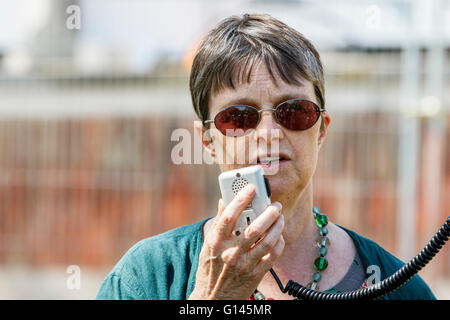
[[374, 257], [173, 240], [158, 267]]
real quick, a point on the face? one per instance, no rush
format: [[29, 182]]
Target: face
[[298, 148]]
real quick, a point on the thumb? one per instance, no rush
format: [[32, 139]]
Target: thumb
[[220, 207]]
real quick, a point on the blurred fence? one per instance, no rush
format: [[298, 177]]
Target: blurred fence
[[82, 191], [86, 118]]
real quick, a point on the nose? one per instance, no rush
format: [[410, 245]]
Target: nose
[[268, 129]]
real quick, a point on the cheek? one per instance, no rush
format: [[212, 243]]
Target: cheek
[[306, 154], [234, 152]]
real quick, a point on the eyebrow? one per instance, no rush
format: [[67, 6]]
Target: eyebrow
[[252, 102]]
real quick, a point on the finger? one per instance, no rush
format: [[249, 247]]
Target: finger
[[220, 208], [268, 242], [262, 223], [268, 260], [226, 221]]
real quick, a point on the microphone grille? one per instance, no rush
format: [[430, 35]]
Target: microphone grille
[[238, 184]]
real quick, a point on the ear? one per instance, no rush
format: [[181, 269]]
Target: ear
[[206, 138], [326, 120]]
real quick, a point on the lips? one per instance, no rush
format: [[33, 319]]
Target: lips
[[268, 159]]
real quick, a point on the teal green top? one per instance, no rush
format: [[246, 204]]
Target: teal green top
[[163, 267]]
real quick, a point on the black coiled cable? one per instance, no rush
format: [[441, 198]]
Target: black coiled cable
[[382, 288]]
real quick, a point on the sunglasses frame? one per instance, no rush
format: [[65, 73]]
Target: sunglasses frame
[[318, 109]]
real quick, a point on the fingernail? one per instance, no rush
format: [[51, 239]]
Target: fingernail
[[278, 205], [249, 188]]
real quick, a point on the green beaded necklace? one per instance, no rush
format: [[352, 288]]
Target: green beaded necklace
[[320, 264]]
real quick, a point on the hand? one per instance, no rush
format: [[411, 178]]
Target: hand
[[231, 267]]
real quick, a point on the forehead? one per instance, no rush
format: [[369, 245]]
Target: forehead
[[261, 89]]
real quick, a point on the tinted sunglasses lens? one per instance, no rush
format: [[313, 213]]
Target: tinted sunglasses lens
[[298, 114], [236, 121]]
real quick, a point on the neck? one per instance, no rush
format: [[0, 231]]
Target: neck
[[300, 234]]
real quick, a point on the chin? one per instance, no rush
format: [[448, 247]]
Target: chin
[[281, 184], [285, 186]]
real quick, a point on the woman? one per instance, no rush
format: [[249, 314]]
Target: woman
[[274, 75]]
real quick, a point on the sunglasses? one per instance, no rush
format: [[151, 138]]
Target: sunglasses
[[239, 120]]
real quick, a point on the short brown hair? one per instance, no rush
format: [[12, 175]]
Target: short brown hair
[[238, 40]]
